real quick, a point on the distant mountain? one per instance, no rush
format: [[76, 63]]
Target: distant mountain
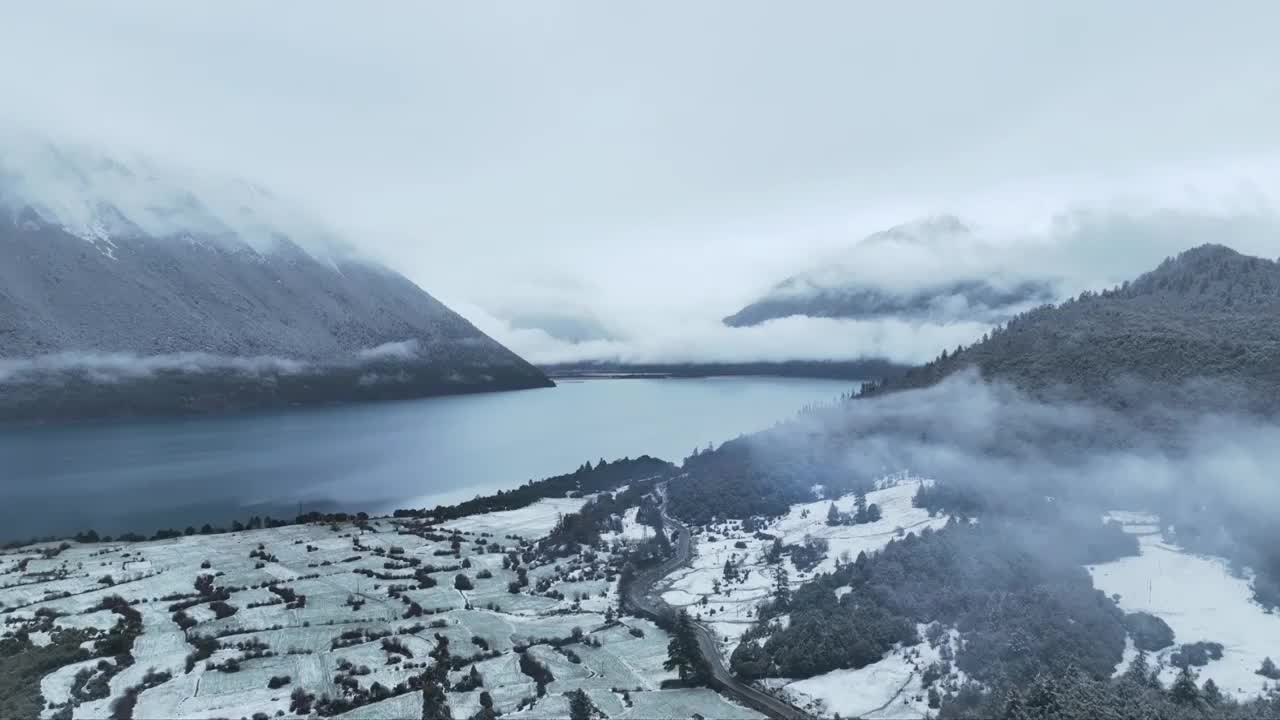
[[980, 300], [845, 289], [1204, 324], [122, 294]]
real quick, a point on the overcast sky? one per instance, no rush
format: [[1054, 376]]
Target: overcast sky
[[659, 164]]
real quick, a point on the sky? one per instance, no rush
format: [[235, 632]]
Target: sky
[[647, 169]]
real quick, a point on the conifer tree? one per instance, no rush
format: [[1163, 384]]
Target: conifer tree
[[1184, 690], [1210, 692], [833, 515], [781, 590]]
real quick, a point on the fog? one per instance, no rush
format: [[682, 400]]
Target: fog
[[995, 438], [652, 169], [113, 367], [119, 366]]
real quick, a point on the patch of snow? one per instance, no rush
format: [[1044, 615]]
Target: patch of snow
[[890, 688], [532, 521], [731, 606], [1200, 599]]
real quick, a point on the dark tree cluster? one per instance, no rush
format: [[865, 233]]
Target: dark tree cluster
[[1197, 654], [683, 654], [1149, 632], [598, 516], [1074, 694], [862, 513], [586, 479], [1023, 605]]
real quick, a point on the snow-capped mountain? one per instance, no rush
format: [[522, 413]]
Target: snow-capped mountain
[[860, 284], [124, 281]]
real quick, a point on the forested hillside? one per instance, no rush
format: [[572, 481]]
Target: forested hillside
[[1155, 396], [1202, 329]]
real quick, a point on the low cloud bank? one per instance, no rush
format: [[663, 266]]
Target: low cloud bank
[[402, 350], [999, 439], [672, 312], [119, 367], [707, 340], [115, 367]]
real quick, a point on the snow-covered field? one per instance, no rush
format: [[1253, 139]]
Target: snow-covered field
[[532, 521], [730, 607], [361, 591], [888, 689], [1201, 600]]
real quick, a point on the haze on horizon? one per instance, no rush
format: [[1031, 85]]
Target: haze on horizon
[[648, 177]]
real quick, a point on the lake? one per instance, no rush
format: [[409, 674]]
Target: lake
[[143, 475]]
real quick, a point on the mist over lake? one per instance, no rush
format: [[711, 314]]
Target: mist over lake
[[148, 474]]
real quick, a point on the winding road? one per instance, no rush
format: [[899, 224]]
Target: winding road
[[643, 596]]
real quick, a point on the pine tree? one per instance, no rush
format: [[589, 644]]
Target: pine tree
[[677, 650], [873, 513], [1043, 698], [683, 654], [1210, 692], [833, 515], [434, 704], [860, 505], [580, 706], [1139, 671], [1184, 690], [1268, 669], [775, 550], [781, 590]]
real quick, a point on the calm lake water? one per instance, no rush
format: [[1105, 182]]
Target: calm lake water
[[145, 475]]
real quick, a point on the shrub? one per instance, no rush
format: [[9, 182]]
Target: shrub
[[222, 609]]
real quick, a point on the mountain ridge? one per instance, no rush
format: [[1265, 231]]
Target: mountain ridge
[[111, 305], [848, 289], [1209, 316]]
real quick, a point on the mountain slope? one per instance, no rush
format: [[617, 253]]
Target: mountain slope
[[108, 308], [966, 299], [852, 286], [1205, 324]]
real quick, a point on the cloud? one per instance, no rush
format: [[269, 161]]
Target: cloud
[[708, 340], [1076, 250], [998, 438], [401, 350], [494, 154], [115, 367]]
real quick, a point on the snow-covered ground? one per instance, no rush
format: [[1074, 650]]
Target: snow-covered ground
[[531, 521], [359, 585], [890, 688], [730, 607], [1201, 600]]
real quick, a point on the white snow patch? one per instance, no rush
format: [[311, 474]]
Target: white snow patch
[[731, 609], [532, 521], [1200, 599], [890, 688]]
